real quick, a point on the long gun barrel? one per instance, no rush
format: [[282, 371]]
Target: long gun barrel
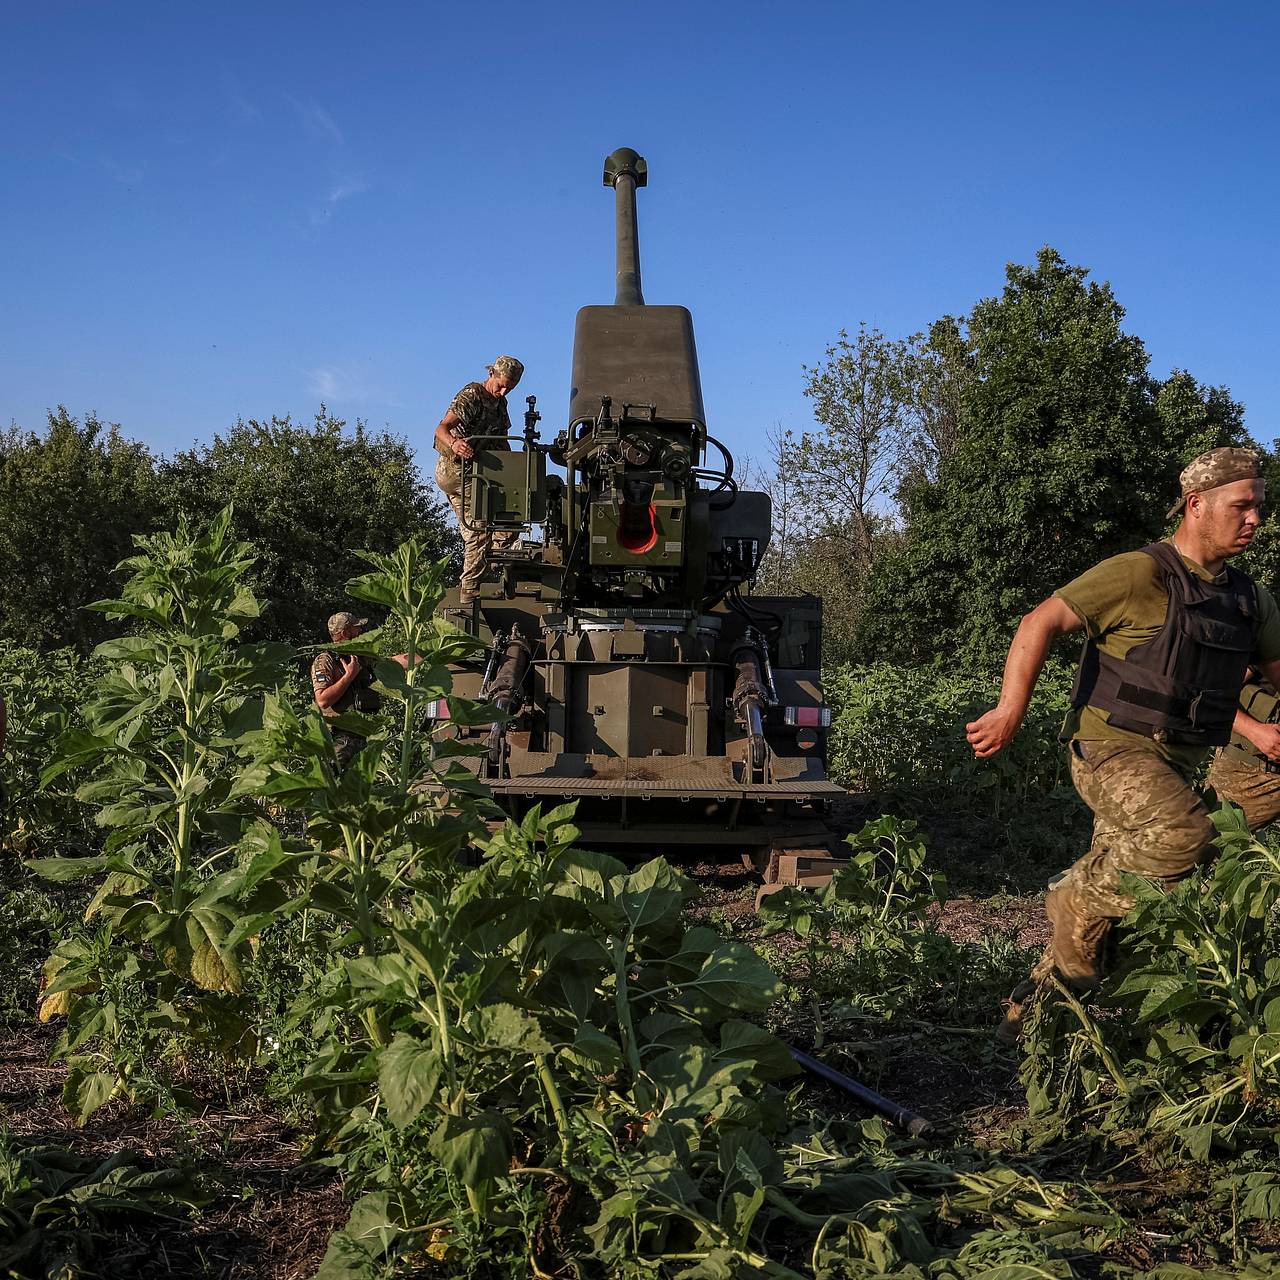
[[624, 171]]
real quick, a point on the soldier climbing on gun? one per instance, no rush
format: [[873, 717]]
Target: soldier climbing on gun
[[478, 411], [1170, 632]]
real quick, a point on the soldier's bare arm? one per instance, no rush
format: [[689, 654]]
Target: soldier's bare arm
[[994, 731], [448, 442], [1266, 737], [326, 695]]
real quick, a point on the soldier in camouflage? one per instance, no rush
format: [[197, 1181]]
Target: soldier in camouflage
[[342, 682], [478, 410], [1170, 631]]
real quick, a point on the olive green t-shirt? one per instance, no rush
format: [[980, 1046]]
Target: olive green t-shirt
[[1122, 603]]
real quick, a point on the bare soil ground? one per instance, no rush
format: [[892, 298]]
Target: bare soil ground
[[271, 1216]]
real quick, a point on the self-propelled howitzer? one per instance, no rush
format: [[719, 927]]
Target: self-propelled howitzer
[[635, 675]]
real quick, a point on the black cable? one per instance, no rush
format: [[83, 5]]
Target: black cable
[[724, 453]]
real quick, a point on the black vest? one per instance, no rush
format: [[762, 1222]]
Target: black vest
[[1183, 685]]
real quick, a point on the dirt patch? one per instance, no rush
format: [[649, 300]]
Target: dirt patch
[[270, 1216], [970, 919]]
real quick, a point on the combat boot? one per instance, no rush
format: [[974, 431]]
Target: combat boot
[[1018, 1005], [1077, 937]]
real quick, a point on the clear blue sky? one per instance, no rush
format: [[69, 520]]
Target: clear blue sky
[[224, 209]]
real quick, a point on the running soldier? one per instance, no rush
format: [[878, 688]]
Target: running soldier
[[1170, 632], [479, 409]]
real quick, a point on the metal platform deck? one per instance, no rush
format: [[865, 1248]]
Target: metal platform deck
[[568, 776]]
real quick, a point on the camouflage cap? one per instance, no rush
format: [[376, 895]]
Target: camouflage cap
[[1213, 469], [340, 622], [509, 367]]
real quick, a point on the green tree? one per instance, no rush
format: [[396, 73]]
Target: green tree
[[306, 496], [71, 500], [863, 400], [1068, 451]]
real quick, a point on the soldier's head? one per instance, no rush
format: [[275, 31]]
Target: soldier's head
[[345, 626], [1221, 502], [504, 373]]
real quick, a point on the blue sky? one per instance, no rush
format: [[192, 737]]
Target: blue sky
[[232, 209]]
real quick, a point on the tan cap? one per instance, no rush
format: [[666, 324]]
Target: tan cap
[[1213, 469], [509, 367], [340, 622]]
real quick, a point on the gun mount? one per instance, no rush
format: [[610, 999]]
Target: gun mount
[[635, 675]]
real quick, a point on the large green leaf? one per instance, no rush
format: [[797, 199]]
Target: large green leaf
[[357, 1251], [503, 1026], [408, 1078], [735, 977], [651, 896], [594, 1051], [474, 1149]]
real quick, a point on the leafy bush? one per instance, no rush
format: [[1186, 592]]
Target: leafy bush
[[306, 496], [41, 691], [870, 949], [72, 499], [900, 732]]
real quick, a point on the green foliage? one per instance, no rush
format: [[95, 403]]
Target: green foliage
[[41, 690], [72, 499], [1068, 452], [886, 414], [157, 751], [899, 731], [307, 497], [871, 903], [58, 1209], [33, 917], [1184, 1036], [553, 1022], [158, 745]]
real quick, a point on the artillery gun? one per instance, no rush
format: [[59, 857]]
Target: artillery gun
[[634, 674]]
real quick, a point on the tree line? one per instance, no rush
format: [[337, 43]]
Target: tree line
[[956, 477], [306, 496], [951, 479]]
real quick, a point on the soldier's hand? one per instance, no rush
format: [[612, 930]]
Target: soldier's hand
[[461, 449], [992, 732], [350, 665], [1266, 737]]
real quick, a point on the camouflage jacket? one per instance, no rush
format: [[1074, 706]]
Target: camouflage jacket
[[480, 414]]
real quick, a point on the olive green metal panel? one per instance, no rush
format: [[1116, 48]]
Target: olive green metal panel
[[506, 488], [636, 355], [627, 709], [629, 537]]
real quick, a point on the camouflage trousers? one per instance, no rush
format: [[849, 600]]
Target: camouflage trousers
[[1147, 820], [1249, 785], [478, 541]]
